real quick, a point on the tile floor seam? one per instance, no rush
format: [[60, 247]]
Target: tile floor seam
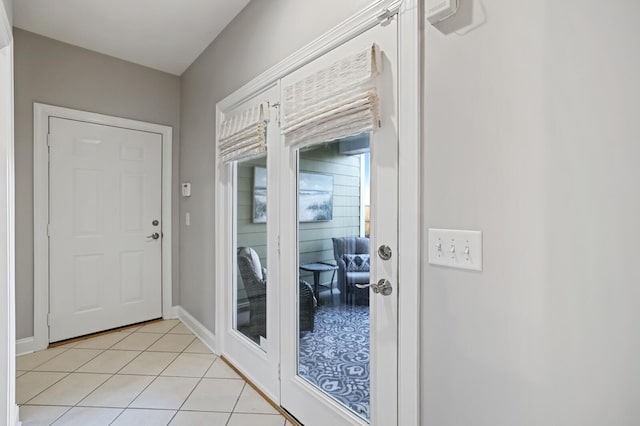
[[44, 362], [117, 417], [140, 393], [87, 396], [94, 389], [186, 399], [154, 377], [125, 366], [110, 377], [47, 388], [61, 415], [236, 404], [89, 360]]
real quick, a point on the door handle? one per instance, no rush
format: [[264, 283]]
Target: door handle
[[383, 286], [154, 236]]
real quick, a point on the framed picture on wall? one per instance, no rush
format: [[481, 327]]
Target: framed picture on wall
[[315, 196], [259, 195]]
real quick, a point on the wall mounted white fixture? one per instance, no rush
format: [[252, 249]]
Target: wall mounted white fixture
[[439, 10]]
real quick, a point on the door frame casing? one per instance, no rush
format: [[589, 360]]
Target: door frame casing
[[410, 14], [9, 411], [41, 114]]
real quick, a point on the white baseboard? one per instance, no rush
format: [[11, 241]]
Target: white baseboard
[[16, 415], [197, 328], [25, 346], [172, 314]]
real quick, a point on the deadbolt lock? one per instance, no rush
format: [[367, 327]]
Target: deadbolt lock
[[384, 251]]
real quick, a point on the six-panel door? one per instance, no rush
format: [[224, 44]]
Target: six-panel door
[[105, 248]]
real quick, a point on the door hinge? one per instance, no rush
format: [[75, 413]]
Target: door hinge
[[278, 245], [48, 320], [49, 139], [48, 229], [276, 105], [279, 372]]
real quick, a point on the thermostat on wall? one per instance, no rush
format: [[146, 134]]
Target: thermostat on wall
[[439, 10], [186, 189]]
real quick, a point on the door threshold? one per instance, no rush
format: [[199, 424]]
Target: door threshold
[[278, 408], [102, 333]]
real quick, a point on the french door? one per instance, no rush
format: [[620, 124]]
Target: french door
[[248, 199], [308, 275], [339, 209]]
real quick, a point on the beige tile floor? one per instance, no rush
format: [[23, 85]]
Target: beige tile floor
[[158, 374]]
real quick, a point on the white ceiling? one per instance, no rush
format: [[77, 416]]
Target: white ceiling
[[167, 35]]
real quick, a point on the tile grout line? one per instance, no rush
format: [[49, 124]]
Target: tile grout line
[[146, 387], [47, 388], [128, 407], [121, 368], [44, 362], [194, 388], [110, 374], [61, 415], [236, 404], [101, 351], [75, 371]]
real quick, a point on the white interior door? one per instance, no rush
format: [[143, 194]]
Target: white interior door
[[105, 227], [344, 370]]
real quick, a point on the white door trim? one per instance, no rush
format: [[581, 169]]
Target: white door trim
[[41, 114], [409, 210], [9, 410], [410, 170]]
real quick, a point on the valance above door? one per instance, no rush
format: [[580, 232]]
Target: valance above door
[[334, 102], [243, 134]]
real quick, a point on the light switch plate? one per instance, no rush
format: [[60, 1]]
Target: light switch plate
[[456, 249]]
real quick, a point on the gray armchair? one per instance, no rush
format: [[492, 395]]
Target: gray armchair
[[255, 285], [348, 277], [254, 277]]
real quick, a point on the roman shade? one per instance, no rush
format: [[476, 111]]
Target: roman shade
[[337, 101], [243, 134]]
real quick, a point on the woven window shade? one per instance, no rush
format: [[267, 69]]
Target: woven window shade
[[243, 134], [338, 101]]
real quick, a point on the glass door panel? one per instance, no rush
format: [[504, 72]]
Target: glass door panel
[[250, 290], [334, 257], [339, 365]]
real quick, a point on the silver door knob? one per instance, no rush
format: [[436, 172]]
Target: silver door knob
[[155, 236], [384, 251], [383, 286]]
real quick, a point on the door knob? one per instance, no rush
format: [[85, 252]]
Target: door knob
[[155, 236], [383, 286], [384, 251]]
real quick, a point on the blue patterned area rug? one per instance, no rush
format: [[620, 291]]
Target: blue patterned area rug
[[335, 356]]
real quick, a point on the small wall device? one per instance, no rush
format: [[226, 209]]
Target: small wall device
[[186, 189], [439, 10]]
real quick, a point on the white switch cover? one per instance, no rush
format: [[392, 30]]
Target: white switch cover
[[456, 249]]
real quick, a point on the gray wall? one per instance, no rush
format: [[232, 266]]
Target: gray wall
[[259, 37], [532, 135], [8, 7], [56, 73]]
